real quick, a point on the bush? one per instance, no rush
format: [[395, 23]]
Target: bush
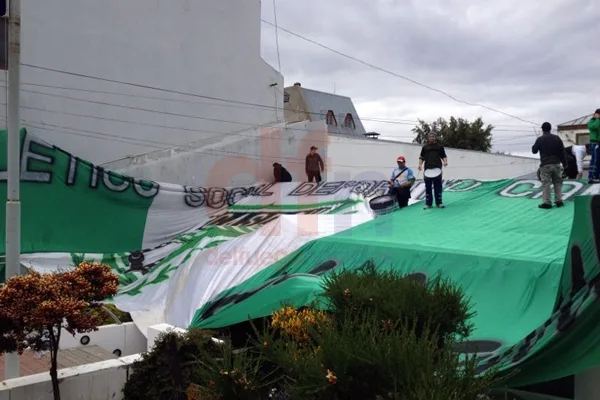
[[107, 319], [385, 336], [389, 296], [167, 370]]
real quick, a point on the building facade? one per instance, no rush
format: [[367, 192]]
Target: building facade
[[575, 131], [337, 111], [110, 79]]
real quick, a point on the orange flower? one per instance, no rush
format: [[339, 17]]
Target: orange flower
[[331, 377]]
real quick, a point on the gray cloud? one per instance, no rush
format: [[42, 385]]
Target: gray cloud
[[539, 61]]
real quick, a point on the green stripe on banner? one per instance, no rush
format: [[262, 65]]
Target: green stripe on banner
[[67, 203]]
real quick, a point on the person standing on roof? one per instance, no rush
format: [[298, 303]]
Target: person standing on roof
[[574, 156], [433, 155], [401, 181], [314, 165], [552, 155], [594, 128]]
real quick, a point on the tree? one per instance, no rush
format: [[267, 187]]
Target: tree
[[457, 133], [34, 308]]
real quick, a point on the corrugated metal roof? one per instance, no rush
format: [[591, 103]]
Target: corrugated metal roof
[[319, 102], [578, 121]]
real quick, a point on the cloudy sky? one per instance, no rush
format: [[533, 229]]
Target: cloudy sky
[[539, 61]]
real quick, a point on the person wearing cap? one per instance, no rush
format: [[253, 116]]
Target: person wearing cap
[[314, 165], [594, 128], [401, 181], [281, 174], [552, 155]]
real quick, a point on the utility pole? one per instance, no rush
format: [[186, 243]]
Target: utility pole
[[13, 165]]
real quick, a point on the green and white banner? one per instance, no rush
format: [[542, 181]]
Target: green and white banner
[[213, 257]]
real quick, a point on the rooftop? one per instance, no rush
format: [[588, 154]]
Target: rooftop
[[31, 363], [576, 122]]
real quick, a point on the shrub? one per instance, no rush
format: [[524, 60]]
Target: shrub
[[106, 318], [390, 296], [165, 372]]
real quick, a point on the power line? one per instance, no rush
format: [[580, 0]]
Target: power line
[[234, 154], [395, 74], [198, 117], [243, 105]]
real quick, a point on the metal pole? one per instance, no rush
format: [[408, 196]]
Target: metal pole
[[13, 148]]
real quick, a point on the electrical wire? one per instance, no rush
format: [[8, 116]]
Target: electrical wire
[[396, 75]]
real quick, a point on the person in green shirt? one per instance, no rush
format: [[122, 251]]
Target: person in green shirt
[[594, 128]]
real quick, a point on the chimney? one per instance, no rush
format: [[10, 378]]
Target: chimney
[[297, 84]]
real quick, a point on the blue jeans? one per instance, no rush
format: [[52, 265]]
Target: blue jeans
[[594, 172], [436, 185]]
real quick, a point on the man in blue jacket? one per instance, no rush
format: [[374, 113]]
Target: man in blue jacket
[[401, 181]]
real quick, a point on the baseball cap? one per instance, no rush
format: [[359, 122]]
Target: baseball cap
[[401, 159]]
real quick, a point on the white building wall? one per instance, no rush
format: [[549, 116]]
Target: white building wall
[[364, 159], [247, 157], [204, 47]]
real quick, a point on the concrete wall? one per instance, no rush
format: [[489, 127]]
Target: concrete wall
[[126, 338], [357, 159], [248, 157], [97, 381], [205, 47], [242, 159]]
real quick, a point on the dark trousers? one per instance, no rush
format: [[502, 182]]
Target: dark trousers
[[402, 195], [436, 185], [314, 175], [594, 172]]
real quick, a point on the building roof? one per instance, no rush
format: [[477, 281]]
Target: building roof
[[577, 122], [318, 103], [32, 364]]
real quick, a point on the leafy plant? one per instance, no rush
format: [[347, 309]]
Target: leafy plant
[[165, 372], [35, 308], [389, 296]]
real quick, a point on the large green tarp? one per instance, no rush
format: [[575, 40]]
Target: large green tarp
[[492, 240]]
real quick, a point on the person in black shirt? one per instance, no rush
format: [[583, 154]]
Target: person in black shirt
[[281, 174], [433, 155], [552, 155]]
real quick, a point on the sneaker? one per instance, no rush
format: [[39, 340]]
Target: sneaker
[[545, 205], [441, 205], [426, 207], [559, 204]]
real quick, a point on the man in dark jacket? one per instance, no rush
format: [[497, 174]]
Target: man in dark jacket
[[433, 155], [281, 174], [314, 165], [552, 155]]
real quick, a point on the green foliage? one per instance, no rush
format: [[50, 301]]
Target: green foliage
[[361, 358], [167, 370], [237, 375], [390, 296], [106, 318], [457, 133]]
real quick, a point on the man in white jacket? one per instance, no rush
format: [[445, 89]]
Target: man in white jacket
[[575, 155]]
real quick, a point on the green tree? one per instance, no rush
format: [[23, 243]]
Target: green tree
[[457, 133]]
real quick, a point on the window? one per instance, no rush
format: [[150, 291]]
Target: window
[[330, 118], [349, 121], [286, 97]]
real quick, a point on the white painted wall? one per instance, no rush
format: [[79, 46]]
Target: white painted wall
[[248, 156], [125, 337], [358, 159], [98, 381], [203, 47], [241, 159]]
